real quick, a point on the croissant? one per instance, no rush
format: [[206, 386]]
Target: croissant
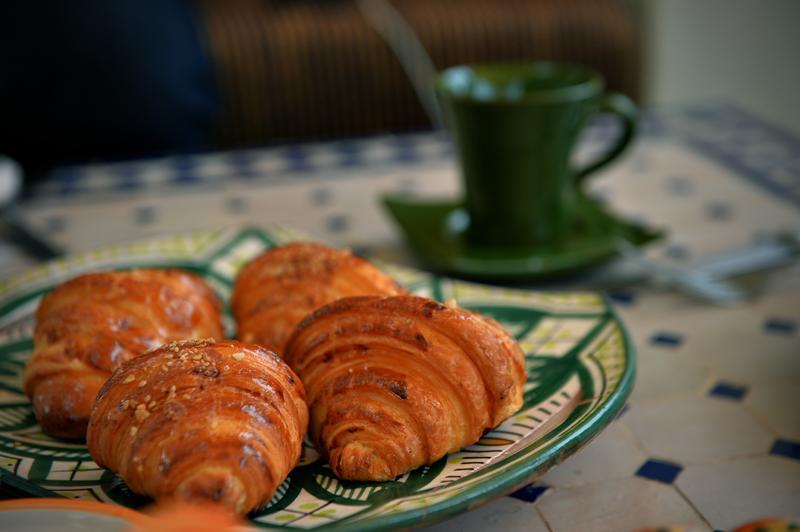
[[275, 291], [200, 421], [397, 382], [88, 326]]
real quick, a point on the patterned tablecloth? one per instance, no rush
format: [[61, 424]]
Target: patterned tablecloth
[[710, 438]]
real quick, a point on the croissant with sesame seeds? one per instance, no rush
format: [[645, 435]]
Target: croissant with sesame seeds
[[276, 290], [397, 382], [88, 326], [201, 421]]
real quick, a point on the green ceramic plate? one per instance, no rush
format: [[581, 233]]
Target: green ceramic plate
[[434, 229], [580, 370]]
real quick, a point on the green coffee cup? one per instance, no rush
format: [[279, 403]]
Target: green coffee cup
[[515, 127]]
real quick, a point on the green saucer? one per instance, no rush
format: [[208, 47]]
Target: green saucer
[[435, 229]]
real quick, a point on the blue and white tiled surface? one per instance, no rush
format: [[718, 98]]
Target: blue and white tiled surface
[[710, 438]]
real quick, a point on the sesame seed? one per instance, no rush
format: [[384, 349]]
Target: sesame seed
[[170, 363], [134, 430], [151, 404], [141, 413], [142, 383], [128, 379], [238, 355], [147, 398]]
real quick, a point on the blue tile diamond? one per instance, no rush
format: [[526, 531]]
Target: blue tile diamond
[[719, 211], [321, 196], [55, 224], [667, 339], [530, 493], [676, 252], [780, 326], [728, 391], [362, 251], [337, 223], [659, 471], [622, 297], [145, 215], [350, 153], [241, 162], [405, 150], [184, 170], [789, 449], [297, 159]]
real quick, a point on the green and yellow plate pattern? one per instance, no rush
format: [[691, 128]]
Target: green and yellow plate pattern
[[580, 371]]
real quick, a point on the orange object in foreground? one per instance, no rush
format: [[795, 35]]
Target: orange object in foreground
[[275, 291], [186, 517], [90, 325], [201, 421], [397, 382]]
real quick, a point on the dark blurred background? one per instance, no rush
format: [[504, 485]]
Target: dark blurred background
[[94, 80]]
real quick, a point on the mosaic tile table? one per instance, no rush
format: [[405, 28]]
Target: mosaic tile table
[[710, 438]]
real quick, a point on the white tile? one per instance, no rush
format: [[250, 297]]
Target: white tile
[[324, 157], [730, 494], [213, 167], [613, 454], [776, 405], [689, 429], [506, 513], [662, 372], [156, 173], [624, 504], [268, 162]]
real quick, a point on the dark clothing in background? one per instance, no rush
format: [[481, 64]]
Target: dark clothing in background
[[98, 79]]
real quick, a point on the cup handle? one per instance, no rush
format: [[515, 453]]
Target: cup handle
[[622, 106]]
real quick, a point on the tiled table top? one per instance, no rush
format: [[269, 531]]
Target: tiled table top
[[710, 438]]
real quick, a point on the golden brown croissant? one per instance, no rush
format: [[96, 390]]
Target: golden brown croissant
[[201, 421], [397, 382], [275, 291], [88, 326]]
